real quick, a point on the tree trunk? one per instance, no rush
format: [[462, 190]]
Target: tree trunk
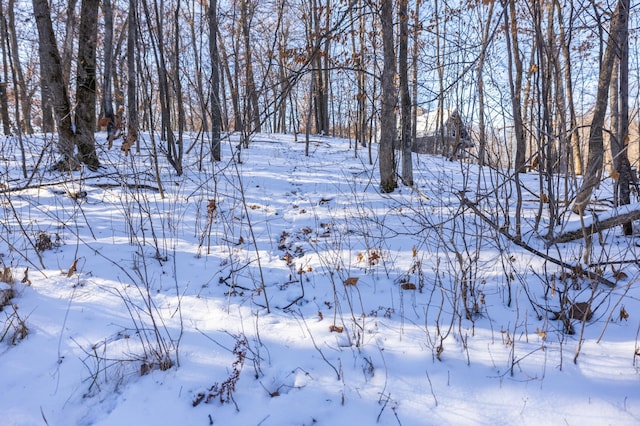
[[576, 153], [216, 113], [595, 158], [201, 95], [4, 99], [480, 81], [71, 25], [415, 52], [615, 144], [362, 95], [405, 98], [178, 147], [223, 60], [50, 60], [25, 99], [253, 110], [623, 167], [515, 86], [4, 109], [388, 122], [107, 100], [132, 98], [86, 84], [48, 122]]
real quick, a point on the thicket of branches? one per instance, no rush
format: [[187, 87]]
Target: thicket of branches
[[543, 85]]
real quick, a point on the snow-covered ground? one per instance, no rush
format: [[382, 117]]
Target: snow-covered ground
[[287, 290]]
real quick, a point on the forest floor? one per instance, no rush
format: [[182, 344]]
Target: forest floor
[[287, 290]]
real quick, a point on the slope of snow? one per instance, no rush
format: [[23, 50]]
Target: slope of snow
[[283, 285]]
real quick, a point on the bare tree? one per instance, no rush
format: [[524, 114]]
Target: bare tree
[[405, 97], [320, 65], [107, 100], [132, 98], [86, 84], [515, 86], [621, 159], [565, 45], [4, 98], [216, 113], [16, 67], [388, 182], [487, 22], [50, 60], [71, 27], [253, 109], [593, 172]]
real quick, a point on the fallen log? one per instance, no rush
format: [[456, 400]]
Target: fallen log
[[517, 241], [598, 222]]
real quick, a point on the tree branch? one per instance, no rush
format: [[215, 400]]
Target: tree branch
[[504, 231]]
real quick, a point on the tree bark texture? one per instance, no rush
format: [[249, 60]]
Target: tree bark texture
[[25, 97], [388, 123], [216, 113], [593, 171], [132, 98], [107, 100], [86, 84], [54, 79], [405, 97]]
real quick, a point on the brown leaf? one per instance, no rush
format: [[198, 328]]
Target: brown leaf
[[26, 279], [73, 269], [351, 281], [544, 198], [408, 286], [620, 275], [623, 314], [336, 328]]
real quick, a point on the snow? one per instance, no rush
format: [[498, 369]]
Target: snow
[[159, 279]]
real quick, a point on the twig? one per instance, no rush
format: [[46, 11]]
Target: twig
[[60, 182], [431, 387], [317, 348]]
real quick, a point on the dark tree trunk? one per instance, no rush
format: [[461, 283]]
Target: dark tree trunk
[[4, 99], [405, 98], [50, 60], [86, 84], [253, 110], [48, 122], [388, 123], [216, 113], [178, 147], [515, 86], [132, 98], [623, 166], [4, 109], [107, 100]]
